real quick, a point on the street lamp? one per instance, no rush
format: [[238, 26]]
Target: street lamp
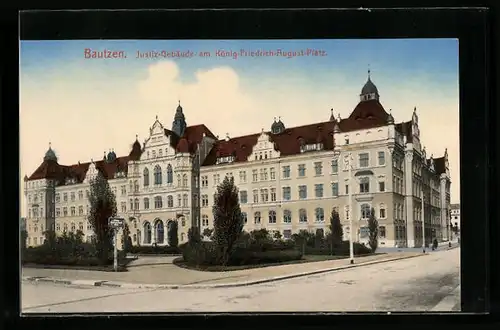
[[350, 187]]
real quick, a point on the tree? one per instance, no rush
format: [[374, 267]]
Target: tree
[[277, 235], [336, 231], [228, 220], [173, 234], [24, 237], [373, 229], [194, 236], [302, 238], [102, 206], [207, 232]]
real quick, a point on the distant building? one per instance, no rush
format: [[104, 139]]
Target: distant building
[[455, 215]]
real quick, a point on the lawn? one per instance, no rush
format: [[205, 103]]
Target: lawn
[[307, 258]]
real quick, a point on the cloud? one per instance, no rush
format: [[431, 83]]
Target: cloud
[[83, 116]]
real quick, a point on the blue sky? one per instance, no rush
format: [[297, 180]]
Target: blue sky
[[65, 96]]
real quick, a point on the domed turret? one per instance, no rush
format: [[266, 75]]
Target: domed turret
[[179, 124], [50, 155], [111, 156], [369, 90], [336, 128]]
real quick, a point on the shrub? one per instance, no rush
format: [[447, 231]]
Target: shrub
[[173, 233], [373, 228], [341, 249], [155, 249]]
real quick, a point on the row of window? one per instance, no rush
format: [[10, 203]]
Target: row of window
[[182, 201], [182, 180]]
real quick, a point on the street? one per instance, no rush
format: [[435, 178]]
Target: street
[[416, 284]]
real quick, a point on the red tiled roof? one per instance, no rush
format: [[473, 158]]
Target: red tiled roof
[[367, 114]]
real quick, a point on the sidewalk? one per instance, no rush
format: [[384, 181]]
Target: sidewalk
[[173, 277]]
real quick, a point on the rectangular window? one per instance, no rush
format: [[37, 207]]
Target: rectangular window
[[273, 194], [243, 197], [255, 176], [318, 168], [302, 170], [73, 211], [286, 172], [72, 196], [204, 181], [381, 231], [363, 159], [58, 212], [65, 197], [364, 185], [204, 200], [264, 195], [382, 214], [80, 210], [124, 207], [302, 192], [381, 186], [243, 176], [346, 189], [318, 190], [335, 166], [287, 193], [58, 198], [272, 173], [381, 157], [335, 189], [287, 233], [255, 196]]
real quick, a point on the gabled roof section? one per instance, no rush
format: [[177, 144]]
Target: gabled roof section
[[288, 142], [193, 134], [50, 169], [367, 114], [439, 165]]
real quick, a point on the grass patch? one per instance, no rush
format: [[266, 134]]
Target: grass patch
[[102, 268], [216, 268]]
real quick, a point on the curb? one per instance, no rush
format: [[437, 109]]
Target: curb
[[448, 303], [114, 284]]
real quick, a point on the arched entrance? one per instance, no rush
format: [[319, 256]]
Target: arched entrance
[[147, 233], [159, 231]]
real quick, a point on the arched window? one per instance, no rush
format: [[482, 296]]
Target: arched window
[[65, 227], [159, 230], [146, 177], [185, 200], [179, 180], [146, 203], [73, 227], [184, 180], [170, 201], [320, 214], [302, 215], [244, 216], [136, 204], [382, 211], [256, 217], [272, 216], [365, 211], [147, 233], [170, 174], [157, 174]]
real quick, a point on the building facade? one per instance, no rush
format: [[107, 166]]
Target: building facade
[[455, 215], [289, 179]]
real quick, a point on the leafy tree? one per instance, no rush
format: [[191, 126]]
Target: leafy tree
[[102, 206], [194, 236], [337, 233], [302, 238], [50, 238], [373, 229], [207, 232], [228, 221], [260, 235], [24, 237], [173, 234]]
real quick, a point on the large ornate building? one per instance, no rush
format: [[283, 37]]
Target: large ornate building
[[288, 178]]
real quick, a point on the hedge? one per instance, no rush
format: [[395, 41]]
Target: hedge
[[339, 250], [154, 250], [204, 253]]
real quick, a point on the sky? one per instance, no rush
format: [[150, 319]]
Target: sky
[[85, 106]]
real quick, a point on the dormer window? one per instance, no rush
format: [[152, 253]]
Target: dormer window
[[311, 147], [227, 159], [346, 141]]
